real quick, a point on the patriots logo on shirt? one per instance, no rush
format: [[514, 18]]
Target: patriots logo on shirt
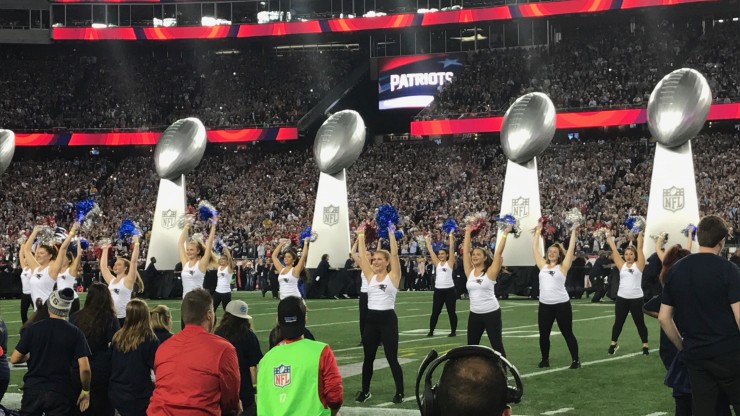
[[285, 280], [630, 270], [444, 269], [116, 291], [192, 272], [38, 276], [63, 277], [281, 376], [551, 272], [479, 281], [382, 287]]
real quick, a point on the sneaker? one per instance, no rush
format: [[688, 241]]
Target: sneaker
[[612, 349], [545, 363], [452, 334], [363, 397], [645, 351], [346, 296], [430, 333], [575, 364], [398, 398]]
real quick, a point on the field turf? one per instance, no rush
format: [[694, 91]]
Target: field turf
[[626, 383]]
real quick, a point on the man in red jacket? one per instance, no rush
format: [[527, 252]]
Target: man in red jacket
[[197, 373]]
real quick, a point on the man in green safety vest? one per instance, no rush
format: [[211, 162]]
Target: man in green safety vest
[[298, 376]]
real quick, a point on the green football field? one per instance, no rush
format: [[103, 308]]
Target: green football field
[[626, 383]]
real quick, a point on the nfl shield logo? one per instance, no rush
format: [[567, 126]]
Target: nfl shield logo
[[331, 215], [168, 218], [520, 207], [673, 199], [281, 375]]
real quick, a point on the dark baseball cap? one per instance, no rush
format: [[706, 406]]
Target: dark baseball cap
[[291, 317]]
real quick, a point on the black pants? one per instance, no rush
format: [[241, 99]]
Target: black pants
[[274, 286], [100, 404], [363, 312], [711, 377], [25, 304], [131, 407], [221, 299], [264, 285], [42, 402], [632, 306], [563, 314], [381, 326], [491, 323], [448, 298]]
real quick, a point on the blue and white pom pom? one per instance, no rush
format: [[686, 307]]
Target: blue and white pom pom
[[439, 245], [308, 233], [385, 217], [635, 223], [82, 208], [449, 226], [219, 245], [691, 228], [507, 220], [206, 211], [128, 229], [92, 217]]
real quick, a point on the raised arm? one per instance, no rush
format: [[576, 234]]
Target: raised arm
[[104, 270], [203, 263], [451, 256], [354, 254], [75, 266], [467, 262], [498, 259], [690, 241], [640, 254], [539, 259], [618, 260], [276, 263], [428, 241], [22, 256], [395, 273], [28, 249], [130, 278], [298, 268], [364, 263], [659, 250], [181, 244], [229, 260], [56, 265], [568, 260]]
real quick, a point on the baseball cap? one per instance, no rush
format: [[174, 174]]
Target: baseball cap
[[239, 309], [60, 302], [291, 317]]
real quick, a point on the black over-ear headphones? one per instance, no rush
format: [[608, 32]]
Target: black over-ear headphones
[[428, 402]]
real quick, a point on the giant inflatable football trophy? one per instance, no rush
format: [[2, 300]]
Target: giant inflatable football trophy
[[527, 130], [179, 150], [677, 110], [338, 144], [7, 149]]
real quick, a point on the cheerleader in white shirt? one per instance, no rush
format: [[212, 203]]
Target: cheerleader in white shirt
[[554, 302], [482, 269], [124, 280], [25, 283], [68, 278], [444, 285], [195, 257], [383, 276], [222, 295], [46, 264], [629, 295], [289, 272]]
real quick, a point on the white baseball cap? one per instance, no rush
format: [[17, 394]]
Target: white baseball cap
[[239, 309]]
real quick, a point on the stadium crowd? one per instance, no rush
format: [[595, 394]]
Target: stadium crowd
[[264, 193], [609, 68]]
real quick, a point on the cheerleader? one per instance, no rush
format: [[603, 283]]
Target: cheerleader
[[71, 267], [383, 276], [195, 257], [482, 270], [290, 272], [25, 283], [222, 295], [46, 264], [444, 286], [554, 303], [123, 281], [629, 295]]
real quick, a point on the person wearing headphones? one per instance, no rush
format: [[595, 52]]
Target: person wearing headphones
[[473, 383]]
